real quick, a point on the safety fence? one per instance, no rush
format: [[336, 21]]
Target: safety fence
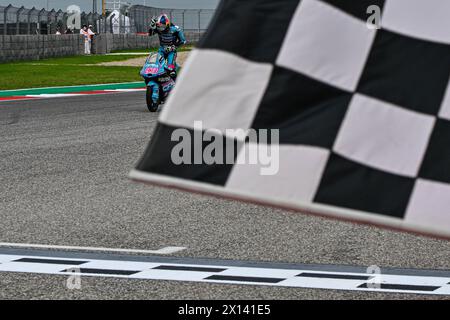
[[129, 19], [188, 19], [15, 21], [36, 47]]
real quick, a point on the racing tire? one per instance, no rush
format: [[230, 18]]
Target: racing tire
[[152, 107]]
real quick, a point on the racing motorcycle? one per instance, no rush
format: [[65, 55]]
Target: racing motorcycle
[[158, 80]]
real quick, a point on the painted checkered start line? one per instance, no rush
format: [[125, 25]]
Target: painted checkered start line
[[226, 272]]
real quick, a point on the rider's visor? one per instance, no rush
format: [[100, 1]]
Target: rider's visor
[[161, 27]]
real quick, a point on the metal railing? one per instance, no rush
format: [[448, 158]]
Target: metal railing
[[14, 20], [133, 19], [188, 19]]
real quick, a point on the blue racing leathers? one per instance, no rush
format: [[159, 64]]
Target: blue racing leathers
[[173, 36]]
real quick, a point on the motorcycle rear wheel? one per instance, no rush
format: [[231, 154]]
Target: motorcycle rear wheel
[[152, 107]]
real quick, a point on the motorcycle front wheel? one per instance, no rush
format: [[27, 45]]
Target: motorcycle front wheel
[[152, 107]]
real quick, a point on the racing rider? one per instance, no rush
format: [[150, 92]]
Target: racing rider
[[171, 37]]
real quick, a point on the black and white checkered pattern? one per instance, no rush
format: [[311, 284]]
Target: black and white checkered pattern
[[364, 114], [301, 277]]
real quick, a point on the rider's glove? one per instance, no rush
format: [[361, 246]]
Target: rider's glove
[[153, 24]]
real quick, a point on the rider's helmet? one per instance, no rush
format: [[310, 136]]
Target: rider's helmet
[[162, 23]]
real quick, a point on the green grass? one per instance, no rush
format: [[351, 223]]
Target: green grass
[[69, 71], [183, 48], [143, 51], [19, 76], [78, 60]]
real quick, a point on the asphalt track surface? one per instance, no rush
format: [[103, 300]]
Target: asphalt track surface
[[64, 181]]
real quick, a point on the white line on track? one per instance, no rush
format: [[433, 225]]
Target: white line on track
[[128, 54], [54, 95], [164, 251], [75, 86], [125, 90]]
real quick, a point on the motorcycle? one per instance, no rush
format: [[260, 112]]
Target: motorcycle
[[157, 79]]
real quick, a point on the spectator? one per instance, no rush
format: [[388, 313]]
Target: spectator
[[87, 39], [69, 30], [91, 32]]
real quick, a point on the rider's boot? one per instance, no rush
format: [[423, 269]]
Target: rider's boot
[[173, 75]]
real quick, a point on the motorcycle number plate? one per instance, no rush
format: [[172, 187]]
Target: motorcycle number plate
[[164, 79], [151, 70]]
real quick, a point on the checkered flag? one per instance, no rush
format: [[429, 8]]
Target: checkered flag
[[363, 113]]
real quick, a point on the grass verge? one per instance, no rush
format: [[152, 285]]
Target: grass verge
[[67, 71], [79, 60], [70, 71], [182, 49], [26, 76]]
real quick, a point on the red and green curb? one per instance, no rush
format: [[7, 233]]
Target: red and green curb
[[55, 92]]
